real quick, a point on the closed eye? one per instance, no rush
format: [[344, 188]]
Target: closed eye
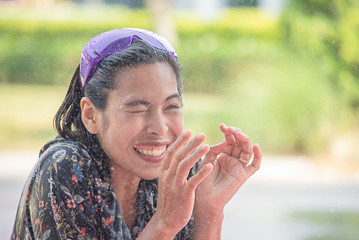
[[173, 106], [141, 111], [137, 109], [137, 106]]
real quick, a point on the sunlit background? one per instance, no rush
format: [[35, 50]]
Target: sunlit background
[[284, 71]]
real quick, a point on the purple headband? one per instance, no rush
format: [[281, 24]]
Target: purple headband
[[115, 41]]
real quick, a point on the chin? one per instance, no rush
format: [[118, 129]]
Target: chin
[[149, 175]]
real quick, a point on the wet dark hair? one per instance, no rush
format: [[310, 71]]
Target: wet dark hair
[[68, 122]]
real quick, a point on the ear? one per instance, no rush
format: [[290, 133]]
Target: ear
[[90, 115]]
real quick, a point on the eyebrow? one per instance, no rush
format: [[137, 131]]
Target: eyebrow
[[176, 95], [136, 102]]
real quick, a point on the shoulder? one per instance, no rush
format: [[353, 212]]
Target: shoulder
[[67, 158], [62, 149], [60, 199]]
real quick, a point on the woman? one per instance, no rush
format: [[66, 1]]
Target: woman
[[122, 167]]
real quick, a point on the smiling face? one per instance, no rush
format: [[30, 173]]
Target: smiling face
[[142, 118]]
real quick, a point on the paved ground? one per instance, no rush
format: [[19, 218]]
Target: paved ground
[[262, 209]]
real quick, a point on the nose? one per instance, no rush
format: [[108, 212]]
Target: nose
[[157, 124]]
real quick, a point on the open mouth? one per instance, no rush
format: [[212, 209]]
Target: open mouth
[[151, 151]]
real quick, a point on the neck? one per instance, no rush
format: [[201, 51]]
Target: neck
[[125, 186]]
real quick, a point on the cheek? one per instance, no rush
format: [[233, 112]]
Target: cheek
[[120, 129], [130, 127], [177, 124]]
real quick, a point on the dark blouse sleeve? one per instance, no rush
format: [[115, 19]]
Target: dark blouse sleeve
[[61, 203]]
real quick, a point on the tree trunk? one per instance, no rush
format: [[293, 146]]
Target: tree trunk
[[163, 21]]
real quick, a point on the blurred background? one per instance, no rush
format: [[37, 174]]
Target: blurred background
[[284, 71]]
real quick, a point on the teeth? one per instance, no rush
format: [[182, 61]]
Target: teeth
[[152, 151]]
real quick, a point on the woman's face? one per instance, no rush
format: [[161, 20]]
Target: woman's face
[[142, 118]]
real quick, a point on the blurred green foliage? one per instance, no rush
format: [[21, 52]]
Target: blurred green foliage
[[40, 47], [46, 50], [327, 30], [291, 83], [27, 114]]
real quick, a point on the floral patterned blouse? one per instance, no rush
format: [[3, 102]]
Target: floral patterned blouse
[[69, 195]]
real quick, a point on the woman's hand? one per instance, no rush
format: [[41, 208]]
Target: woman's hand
[[176, 194], [232, 166]]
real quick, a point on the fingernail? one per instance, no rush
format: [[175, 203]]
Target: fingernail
[[186, 132], [200, 136], [206, 147]]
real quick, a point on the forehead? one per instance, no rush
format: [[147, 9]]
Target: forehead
[[150, 81]]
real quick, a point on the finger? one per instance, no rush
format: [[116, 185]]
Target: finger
[[235, 129], [231, 166], [227, 133], [213, 153], [189, 147], [241, 153], [235, 145], [237, 150], [218, 148], [230, 136], [186, 164], [230, 142], [196, 179], [246, 142], [256, 163], [221, 159], [243, 147], [171, 151], [185, 151], [223, 128]]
